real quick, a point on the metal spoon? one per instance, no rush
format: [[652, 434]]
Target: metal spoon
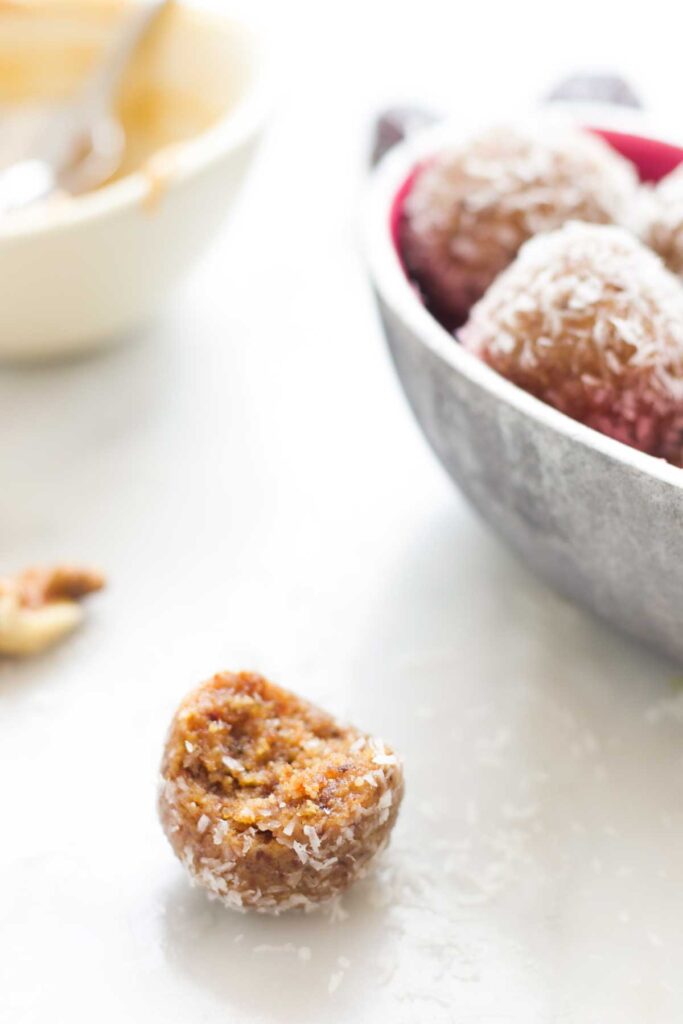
[[76, 145]]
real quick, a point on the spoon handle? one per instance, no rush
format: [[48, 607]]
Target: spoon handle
[[100, 89]]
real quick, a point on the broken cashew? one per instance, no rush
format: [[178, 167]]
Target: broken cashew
[[40, 606]]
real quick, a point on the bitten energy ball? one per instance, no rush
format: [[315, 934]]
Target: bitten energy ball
[[662, 226], [267, 800], [472, 207], [590, 321]]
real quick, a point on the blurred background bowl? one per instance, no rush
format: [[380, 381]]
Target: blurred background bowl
[[79, 272], [602, 522]]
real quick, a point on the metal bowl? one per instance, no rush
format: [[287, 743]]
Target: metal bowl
[[601, 522]]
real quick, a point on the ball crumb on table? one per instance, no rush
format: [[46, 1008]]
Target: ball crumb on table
[[471, 208], [589, 320], [267, 800]]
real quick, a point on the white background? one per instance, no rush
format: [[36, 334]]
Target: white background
[[248, 473]]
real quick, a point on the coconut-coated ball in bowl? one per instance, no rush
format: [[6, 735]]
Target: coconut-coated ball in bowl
[[589, 320], [472, 205]]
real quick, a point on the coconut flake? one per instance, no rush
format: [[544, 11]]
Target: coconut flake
[[385, 800], [301, 852], [322, 865], [313, 838], [219, 832], [385, 759]]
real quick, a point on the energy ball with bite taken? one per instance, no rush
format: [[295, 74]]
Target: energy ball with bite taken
[[267, 800], [662, 219], [590, 321], [472, 207]]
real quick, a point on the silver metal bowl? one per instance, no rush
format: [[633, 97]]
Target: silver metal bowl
[[601, 522]]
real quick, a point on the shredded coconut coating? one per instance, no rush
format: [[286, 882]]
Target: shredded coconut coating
[[472, 207], [40, 606], [590, 321], [662, 220], [268, 801]]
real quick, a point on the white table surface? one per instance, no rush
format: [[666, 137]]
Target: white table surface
[[249, 475]]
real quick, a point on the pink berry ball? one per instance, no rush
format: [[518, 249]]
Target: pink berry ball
[[473, 206], [589, 320]]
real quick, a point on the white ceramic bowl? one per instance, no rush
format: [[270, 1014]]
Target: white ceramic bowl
[[600, 521], [81, 272]]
